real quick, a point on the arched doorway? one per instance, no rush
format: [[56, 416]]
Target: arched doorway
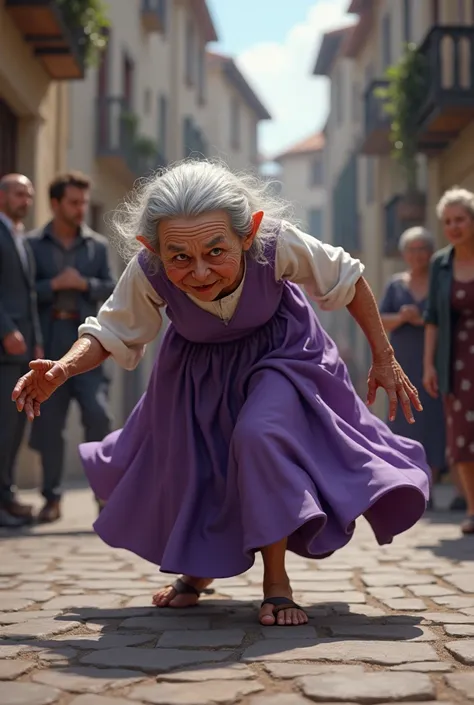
[[8, 139]]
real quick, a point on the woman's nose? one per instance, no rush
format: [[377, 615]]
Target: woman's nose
[[201, 271]]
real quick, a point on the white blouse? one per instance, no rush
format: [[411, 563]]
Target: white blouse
[[131, 317]]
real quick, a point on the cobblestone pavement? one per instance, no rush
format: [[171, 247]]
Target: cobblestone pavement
[[392, 624]]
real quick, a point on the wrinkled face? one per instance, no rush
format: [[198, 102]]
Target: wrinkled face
[[72, 208], [458, 225], [417, 255], [16, 199], [202, 256]]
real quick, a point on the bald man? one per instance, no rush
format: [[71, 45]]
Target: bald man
[[20, 334]]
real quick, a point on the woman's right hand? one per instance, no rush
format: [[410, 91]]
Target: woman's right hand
[[31, 390], [430, 381]]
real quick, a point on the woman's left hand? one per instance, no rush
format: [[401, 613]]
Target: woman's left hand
[[387, 373]]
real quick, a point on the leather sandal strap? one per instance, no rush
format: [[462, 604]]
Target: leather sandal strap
[[280, 603]]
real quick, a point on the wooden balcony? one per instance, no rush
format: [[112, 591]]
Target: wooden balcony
[[153, 15], [401, 213], [119, 146], [376, 134], [449, 104], [57, 46]]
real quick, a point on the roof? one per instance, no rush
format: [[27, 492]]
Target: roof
[[231, 73], [329, 49], [313, 143], [205, 20], [357, 6]]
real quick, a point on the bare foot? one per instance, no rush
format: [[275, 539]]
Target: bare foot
[[169, 596], [284, 617]]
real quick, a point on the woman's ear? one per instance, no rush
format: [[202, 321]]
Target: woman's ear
[[145, 243], [256, 221]]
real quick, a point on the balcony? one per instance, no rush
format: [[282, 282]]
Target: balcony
[[449, 104], [376, 135], [153, 15], [119, 145], [401, 213], [59, 47]]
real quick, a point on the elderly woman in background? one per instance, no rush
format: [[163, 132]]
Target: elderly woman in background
[[402, 309], [449, 336]]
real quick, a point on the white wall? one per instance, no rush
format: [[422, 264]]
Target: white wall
[[295, 177]]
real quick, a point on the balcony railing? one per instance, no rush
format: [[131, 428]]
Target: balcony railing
[[119, 144], [375, 139], [449, 85], [57, 46], [154, 15]]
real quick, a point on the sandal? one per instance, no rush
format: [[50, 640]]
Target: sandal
[[182, 588], [467, 527], [279, 604]]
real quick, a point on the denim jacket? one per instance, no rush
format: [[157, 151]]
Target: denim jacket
[[438, 313]]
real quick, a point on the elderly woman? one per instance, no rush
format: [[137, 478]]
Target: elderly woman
[[250, 436], [401, 309], [449, 336]]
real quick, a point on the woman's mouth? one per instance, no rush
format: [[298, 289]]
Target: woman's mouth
[[203, 289]]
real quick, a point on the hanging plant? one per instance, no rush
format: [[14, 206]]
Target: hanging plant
[[90, 16], [402, 100], [146, 146]]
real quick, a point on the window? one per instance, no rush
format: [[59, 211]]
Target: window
[[435, 11], [201, 77], [338, 87], [386, 41], [234, 123], [96, 217], [370, 180], [188, 137], [162, 124], [8, 139], [315, 223], [147, 101], [356, 112], [406, 21], [189, 46], [316, 171], [461, 12]]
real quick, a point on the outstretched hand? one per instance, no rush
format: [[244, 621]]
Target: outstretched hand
[[31, 390], [388, 374]]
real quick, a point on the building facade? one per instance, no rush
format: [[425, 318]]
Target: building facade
[[233, 114], [368, 203]]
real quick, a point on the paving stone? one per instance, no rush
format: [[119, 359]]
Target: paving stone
[[114, 585], [380, 652], [225, 672], [78, 602], [153, 660], [13, 603], [350, 598], [462, 682], [387, 632], [333, 587], [447, 618], [161, 624], [288, 671], [425, 667], [455, 602], [212, 639], [37, 629], [100, 642], [27, 616], [396, 578], [280, 699], [385, 593], [99, 700], [219, 692], [406, 604], [368, 688], [58, 656], [463, 650], [430, 590], [462, 581], [35, 595], [28, 694], [11, 651], [302, 631], [87, 680], [10, 670], [123, 613], [459, 629], [356, 611]]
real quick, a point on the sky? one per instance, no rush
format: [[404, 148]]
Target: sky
[[275, 43]]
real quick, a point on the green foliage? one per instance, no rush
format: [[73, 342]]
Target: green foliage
[[402, 99], [146, 146], [92, 17]]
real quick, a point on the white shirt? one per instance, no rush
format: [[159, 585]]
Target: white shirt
[[17, 233], [131, 317]]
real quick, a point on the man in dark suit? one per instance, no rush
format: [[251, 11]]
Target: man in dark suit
[[20, 335], [72, 279]]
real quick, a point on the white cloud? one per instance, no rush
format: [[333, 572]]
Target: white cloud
[[282, 76]]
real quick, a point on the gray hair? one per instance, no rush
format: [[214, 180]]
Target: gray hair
[[191, 188], [456, 196], [418, 232]]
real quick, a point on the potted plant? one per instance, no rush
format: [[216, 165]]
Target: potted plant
[[88, 20], [402, 100]]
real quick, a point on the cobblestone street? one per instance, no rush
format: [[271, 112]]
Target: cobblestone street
[[392, 624]]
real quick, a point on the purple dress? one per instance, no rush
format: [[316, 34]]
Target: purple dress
[[250, 431]]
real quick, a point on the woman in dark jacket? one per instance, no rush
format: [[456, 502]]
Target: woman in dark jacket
[[449, 336]]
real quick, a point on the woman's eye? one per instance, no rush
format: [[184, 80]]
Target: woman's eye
[[181, 258], [216, 252]]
